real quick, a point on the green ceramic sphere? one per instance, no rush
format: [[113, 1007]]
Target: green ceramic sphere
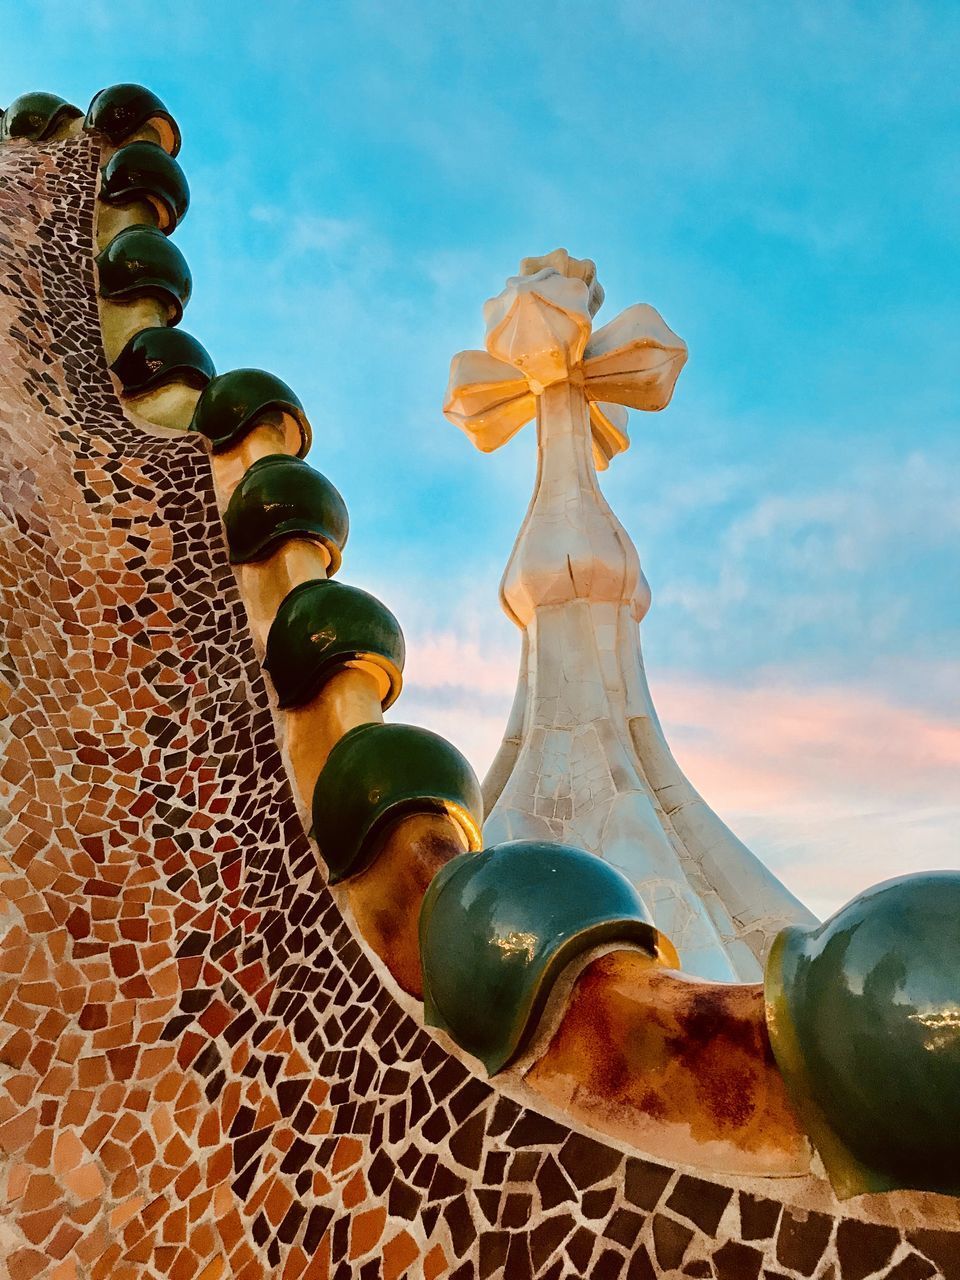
[[233, 404], [864, 1018], [35, 116], [122, 109], [142, 171], [322, 627], [156, 356], [283, 497], [378, 773], [497, 928], [140, 261]]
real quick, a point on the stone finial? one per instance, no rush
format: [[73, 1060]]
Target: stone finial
[[583, 760], [539, 334], [584, 269]]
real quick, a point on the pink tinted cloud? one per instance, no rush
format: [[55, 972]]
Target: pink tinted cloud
[[835, 787], [775, 746], [445, 660]]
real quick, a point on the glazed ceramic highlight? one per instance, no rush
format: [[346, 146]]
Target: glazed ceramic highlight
[[324, 627], [282, 497], [157, 356], [864, 1017], [497, 928], [237, 401], [378, 773]]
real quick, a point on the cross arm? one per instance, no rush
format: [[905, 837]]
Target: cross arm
[[634, 360], [488, 399]]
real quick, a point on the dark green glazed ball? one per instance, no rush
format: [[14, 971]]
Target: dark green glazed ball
[[141, 261], [36, 116], [378, 773], [123, 109], [283, 497], [236, 401], [322, 627], [156, 356], [864, 1018], [498, 927], [144, 171]]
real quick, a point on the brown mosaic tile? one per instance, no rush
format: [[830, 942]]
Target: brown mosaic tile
[[912, 1267], [758, 1216], [942, 1248], [700, 1202], [670, 1240], [802, 1240], [733, 1261], [864, 1247]]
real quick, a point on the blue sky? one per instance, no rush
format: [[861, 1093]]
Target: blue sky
[[780, 181]]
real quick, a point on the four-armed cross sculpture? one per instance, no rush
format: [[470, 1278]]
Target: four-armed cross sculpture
[[584, 760]]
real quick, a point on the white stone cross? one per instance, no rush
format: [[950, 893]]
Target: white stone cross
[[539, 335], [584, 760]]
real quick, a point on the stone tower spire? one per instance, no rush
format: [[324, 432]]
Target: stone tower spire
[[584, 760]]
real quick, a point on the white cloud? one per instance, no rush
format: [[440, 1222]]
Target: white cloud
[[823, 566], [824, 232]]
